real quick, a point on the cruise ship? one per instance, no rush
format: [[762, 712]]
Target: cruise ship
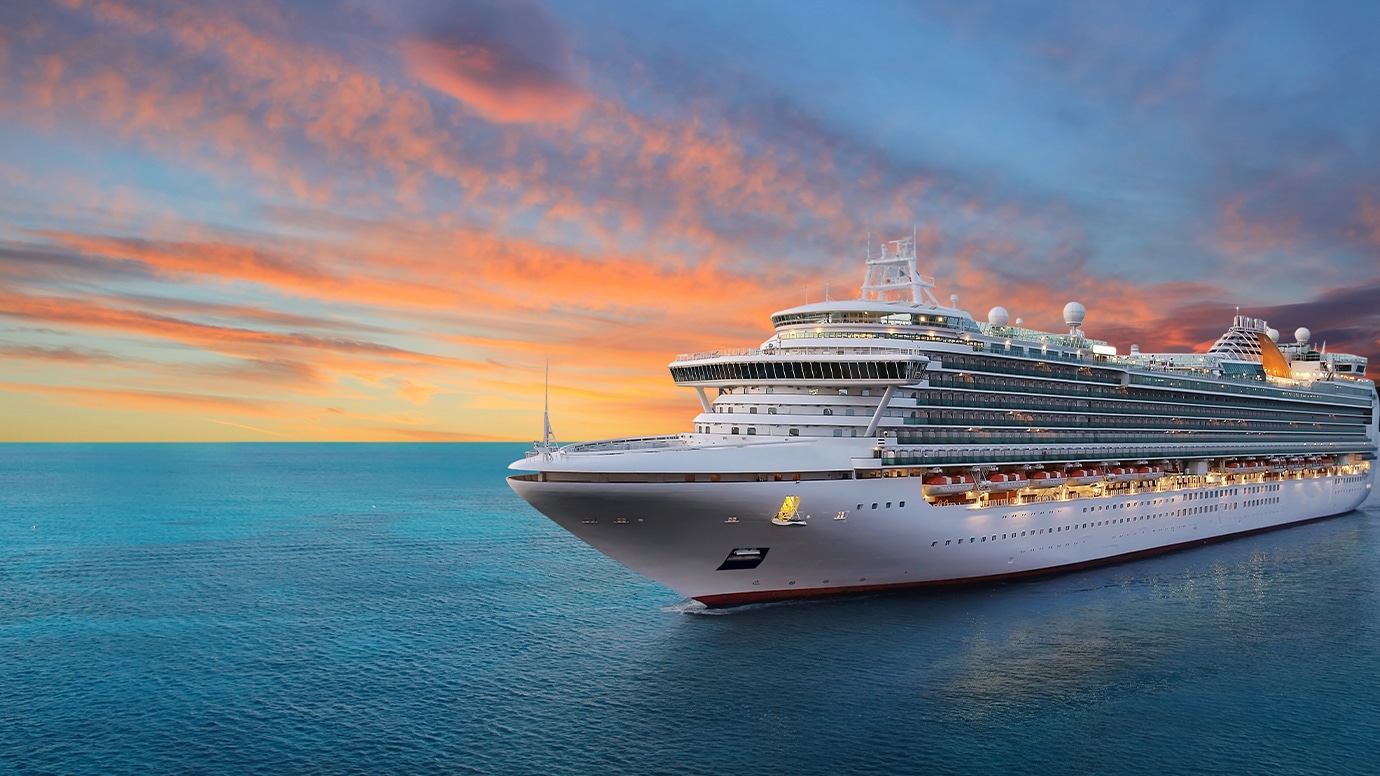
[[894, 441]]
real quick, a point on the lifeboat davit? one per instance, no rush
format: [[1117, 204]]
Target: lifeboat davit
[[1047, 478], [1087, 476], [1277, 465], [1296, 464], [946, 484], [998, 482]]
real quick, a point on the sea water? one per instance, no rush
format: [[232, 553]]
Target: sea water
[[395, 608]]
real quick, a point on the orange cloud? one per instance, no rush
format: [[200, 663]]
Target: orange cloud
[[146, 401], [509, 61], [479, 78]]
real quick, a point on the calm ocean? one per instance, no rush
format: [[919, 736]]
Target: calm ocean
[[394, 608]]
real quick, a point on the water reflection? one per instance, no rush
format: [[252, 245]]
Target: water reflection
[[996, 660]]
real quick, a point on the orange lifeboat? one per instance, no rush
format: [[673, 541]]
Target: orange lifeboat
[[1244, 467], [1120, 474], [1088, 476], [998, 482], [946, 485], [1047, 478]]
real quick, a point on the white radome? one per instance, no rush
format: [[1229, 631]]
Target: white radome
[[998, 316], [1074, 314], [1301, 335]]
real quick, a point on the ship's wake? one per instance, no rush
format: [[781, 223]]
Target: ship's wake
[[690, 606]]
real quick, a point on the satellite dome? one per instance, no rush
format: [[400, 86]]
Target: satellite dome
[[1074, 313], [998, 316], [1301, 335], [1273, 334]]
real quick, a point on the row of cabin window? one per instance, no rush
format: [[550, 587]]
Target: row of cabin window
[[1055, 529], [752, 431], [1095, 420], [797, 370], [964, 380], [1033, 368], [872, 335], [813, 390], [1232, 387], [1003, 436], [1017, 395], [879, 318], [847, 411]]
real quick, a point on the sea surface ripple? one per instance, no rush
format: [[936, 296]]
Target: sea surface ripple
[[394, 608]]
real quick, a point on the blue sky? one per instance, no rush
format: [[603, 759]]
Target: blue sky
[[370, 220]]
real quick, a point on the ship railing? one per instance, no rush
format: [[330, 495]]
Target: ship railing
[[624, 445], [829, 353], [718, 354]]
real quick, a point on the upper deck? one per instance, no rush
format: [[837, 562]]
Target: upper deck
[[898, 331]]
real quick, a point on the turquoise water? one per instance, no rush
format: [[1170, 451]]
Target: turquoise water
[[396, 609]]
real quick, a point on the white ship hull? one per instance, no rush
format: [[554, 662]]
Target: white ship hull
[[681, 534]]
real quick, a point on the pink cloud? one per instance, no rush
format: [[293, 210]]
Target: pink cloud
[[507, 61]]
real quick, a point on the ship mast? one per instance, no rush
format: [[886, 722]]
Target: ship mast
[[547, 436], [892, 276]]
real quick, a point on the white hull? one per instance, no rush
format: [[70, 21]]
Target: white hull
[[680, 534]]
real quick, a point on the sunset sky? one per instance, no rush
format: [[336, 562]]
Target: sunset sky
[[378, 220]]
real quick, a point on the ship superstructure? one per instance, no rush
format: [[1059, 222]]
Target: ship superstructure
[[893, 440]]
